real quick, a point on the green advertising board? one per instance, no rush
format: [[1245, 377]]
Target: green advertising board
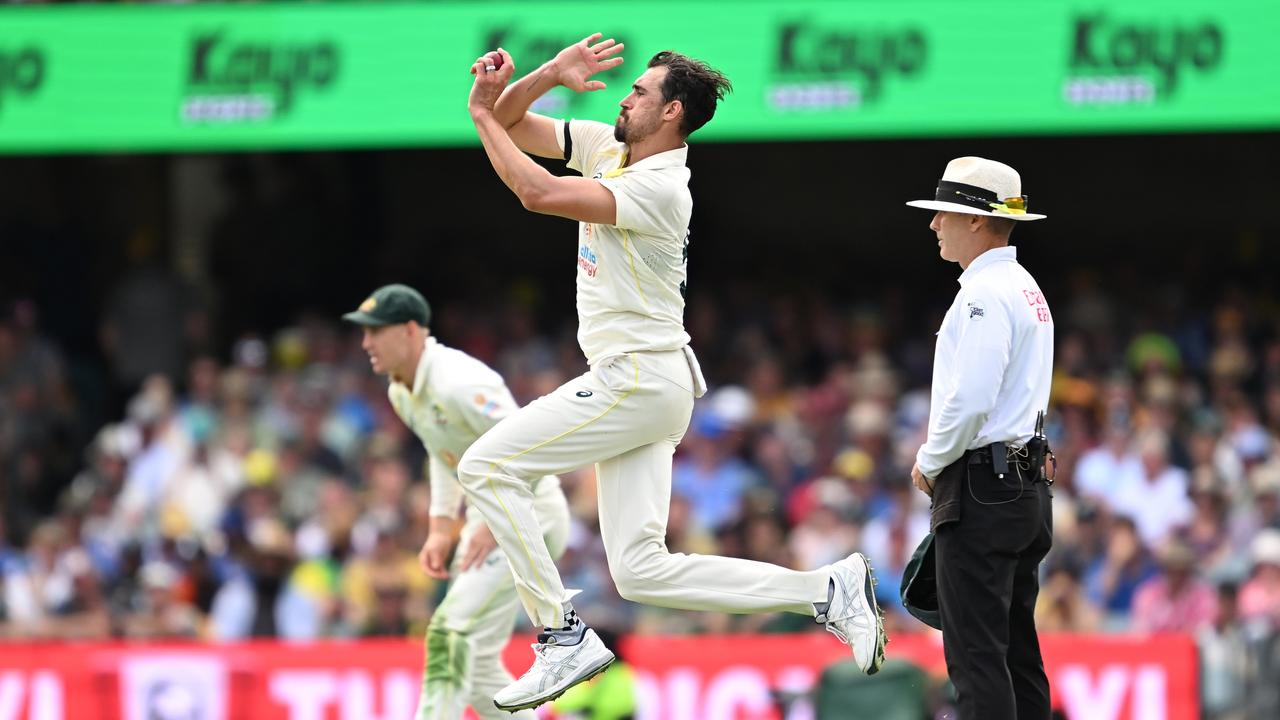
[[211, 77]]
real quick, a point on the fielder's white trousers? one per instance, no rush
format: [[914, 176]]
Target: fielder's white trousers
[[473, 624], [626, 415]]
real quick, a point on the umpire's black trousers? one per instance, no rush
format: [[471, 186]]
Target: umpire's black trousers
[[987, 566]]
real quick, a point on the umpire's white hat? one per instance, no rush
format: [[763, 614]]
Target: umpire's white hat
[[978, 186]]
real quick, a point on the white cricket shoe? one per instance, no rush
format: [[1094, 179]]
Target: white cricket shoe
[[853, 615], [556, 668]]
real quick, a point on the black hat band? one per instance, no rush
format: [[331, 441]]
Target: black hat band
[[978, 198]]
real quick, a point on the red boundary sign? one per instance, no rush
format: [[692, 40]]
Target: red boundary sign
[[681, 678]]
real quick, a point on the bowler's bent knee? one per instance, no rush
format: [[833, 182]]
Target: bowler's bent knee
[[633, 575], [474, 469]]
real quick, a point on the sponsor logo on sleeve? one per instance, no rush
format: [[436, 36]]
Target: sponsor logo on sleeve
[[488, 406], [587, 260]]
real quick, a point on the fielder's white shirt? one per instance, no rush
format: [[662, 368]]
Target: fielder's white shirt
[[993, 363], [631, 275], [454, 400]]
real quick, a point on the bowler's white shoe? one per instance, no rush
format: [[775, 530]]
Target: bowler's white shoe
[[853, 615], [556, 668]]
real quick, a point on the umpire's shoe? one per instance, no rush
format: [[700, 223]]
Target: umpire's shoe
[[852, 614], [556, 668]]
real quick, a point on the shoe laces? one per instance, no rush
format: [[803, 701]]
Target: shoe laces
[[540, 650], [831, 628]]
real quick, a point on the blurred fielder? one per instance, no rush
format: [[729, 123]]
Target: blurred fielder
[[630, 410], [449, 399]]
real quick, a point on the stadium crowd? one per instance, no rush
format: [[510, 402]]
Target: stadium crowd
[[271, 492]]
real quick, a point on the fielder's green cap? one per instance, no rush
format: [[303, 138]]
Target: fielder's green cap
[[919, 589], [391, 305]]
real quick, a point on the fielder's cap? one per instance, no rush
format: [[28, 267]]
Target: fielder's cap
[[391, 305], [919, 589], [977, 186]]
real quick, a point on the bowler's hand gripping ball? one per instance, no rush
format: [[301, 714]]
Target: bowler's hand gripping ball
[[494, 59]]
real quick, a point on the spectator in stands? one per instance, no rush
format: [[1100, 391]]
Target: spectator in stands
[[383, 587], [259, 600], [1224, 661], [1062, 605], [1260, 596], [1157, 500], [1176, 600], [1208, 532], [1263, 512], [162, 613], [1102, 471], [708, 475], [1114, 578]]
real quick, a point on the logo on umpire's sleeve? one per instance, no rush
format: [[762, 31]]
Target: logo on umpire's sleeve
[[976, 311], [584, 393]]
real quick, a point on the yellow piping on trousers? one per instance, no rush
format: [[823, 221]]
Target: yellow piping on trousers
[[494, 488]]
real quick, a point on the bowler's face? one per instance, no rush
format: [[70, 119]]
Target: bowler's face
[[641, 113]]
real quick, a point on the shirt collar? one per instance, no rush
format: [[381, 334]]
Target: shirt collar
[[424, 366], [1007, 253], [676, 157]]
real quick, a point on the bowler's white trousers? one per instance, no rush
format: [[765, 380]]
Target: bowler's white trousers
[[473, 623], [626, 415]]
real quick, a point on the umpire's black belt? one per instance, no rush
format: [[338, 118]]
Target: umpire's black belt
[[1014, 459], [983, 455]]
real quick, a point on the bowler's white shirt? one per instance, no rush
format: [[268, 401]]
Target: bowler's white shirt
[[631, 274], [993, 363], [454, 400]]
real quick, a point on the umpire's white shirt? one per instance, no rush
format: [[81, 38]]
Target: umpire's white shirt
[[631, 275], [454, 400], [993, 363]]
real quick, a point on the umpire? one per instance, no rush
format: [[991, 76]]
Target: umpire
[[991, 508]]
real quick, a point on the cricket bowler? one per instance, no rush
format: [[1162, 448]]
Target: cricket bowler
[[627, 414]]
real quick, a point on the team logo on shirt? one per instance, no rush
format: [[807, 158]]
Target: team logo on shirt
[[487, 406], [976, 310], [587, 258], [439, 413]]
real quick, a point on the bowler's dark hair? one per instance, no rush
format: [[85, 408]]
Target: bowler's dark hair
[[697, 86]]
